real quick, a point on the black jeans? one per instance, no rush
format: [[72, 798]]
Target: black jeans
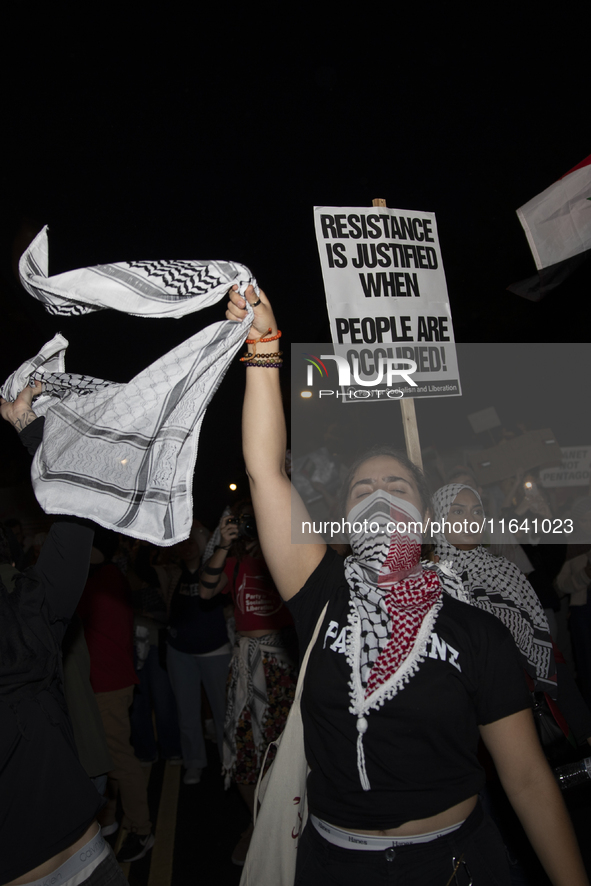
[[424, 864]]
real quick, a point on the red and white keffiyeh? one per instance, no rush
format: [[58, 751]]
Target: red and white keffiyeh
[[394, 605]]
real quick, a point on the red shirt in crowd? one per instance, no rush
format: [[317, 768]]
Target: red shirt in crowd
[[107, 616], [257, 604]]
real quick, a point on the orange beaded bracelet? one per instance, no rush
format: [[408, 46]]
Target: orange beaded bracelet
[[253, 341]]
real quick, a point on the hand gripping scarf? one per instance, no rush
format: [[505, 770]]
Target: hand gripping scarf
[[497, 586], [394, 604], [124, 454]]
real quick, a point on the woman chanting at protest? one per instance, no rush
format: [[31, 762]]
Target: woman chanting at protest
[[48, 826], [402, 681], [262, 673]]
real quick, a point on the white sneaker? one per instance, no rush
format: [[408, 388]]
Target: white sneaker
[[109, 829], [192, 775]]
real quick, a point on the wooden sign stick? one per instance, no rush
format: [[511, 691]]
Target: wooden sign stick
[[407, 406]]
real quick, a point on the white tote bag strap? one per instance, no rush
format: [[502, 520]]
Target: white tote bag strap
[[262, 781], [302, 673]]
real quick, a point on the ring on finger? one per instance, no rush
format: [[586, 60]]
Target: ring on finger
[[256, 303]]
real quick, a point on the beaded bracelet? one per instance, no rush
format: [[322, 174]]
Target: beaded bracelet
[[252, 341], [273, 356], [266, 365]]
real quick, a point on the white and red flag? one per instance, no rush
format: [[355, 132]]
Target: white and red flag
[[557, 224]]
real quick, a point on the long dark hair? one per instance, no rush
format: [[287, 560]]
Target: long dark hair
[[384, 449]]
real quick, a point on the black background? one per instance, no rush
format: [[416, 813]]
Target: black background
[[212, 134]]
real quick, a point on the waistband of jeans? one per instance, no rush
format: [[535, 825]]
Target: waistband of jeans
[[84, 856], [370, 843]]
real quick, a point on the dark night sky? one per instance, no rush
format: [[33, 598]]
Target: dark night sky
[[213, 135]]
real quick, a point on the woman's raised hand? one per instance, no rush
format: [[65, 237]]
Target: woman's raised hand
[[264, 319]]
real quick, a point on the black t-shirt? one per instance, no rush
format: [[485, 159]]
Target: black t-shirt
[[196, 626], [421, 746]]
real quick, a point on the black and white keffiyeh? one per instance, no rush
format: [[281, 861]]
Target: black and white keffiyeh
[[394, 605], [124, 454], [497, 586], [142, 288]]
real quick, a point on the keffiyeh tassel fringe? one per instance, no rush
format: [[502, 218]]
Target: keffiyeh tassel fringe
[[361, 730]]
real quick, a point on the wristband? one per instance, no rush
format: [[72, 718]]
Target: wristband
[[211, 571]]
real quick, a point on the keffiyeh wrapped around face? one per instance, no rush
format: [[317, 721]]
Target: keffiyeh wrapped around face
[[394, 605], [497, 586]]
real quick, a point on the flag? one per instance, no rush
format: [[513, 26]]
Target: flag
[[557, 224]]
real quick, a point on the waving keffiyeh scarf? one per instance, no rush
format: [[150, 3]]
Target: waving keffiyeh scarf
[[124, 454], [497, 586], [142, 288], [394, 605]]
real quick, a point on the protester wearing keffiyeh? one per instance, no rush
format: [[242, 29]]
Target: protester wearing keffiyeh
[[497, 586], [394, 605]]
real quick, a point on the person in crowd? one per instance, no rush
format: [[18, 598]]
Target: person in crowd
[[107, 616], [198, 651], [153, 701], [402, 680], [263, 672], [526, 501], [48, 826], [492, 583], [496, 585], [574, 580]]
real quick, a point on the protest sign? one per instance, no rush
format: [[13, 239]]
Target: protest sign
[[387, 296], [573, 470]]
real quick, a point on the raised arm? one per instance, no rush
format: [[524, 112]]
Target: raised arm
[[212, 579], [264, 443], [535, 796]]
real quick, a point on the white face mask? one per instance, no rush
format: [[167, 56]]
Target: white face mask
[[386, 536]]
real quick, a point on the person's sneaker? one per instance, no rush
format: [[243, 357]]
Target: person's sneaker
[[192, 775], [241, 848], [134, 847], [109, 829]]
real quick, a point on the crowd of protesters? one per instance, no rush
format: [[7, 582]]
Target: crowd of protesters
[[115, 653]]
